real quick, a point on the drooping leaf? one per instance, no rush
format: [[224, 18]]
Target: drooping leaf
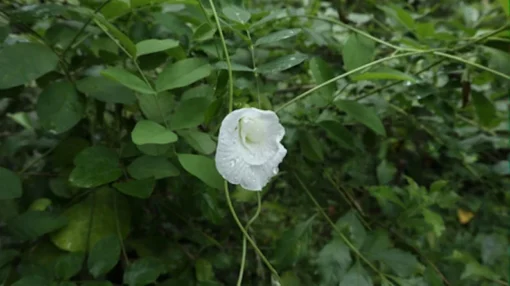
[[339, 133], [282, 63], [143, 271], [104, 255], [23, 62], [157, 107], [99, 215], [150, 132], [277, 36], [203, 168], [357, 51], [485, 109], [33, 224], [156, 167], [292, 244], [95, 166], [358, 276], [362, 114], [154, 45], [183, 73], [199, 141], [59, 107], [127, 79], [137, 188], [333, 261], [321, 73], [311, 146], [402, 263], [115, 33], [236, 14], [189, 113], [68, 265], [11, 185], [106, 90]]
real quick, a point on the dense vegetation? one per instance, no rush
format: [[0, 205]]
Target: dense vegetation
[[395, 115]]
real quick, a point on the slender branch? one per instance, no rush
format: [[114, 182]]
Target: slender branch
[[459, 59], [245, 233], [339, 232], [243, 256], [308, 92]]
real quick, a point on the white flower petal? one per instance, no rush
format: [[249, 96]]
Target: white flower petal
[[249, 149]]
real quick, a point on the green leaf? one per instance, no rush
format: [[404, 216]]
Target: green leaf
[[11, 185], [189, 113], [385, 172], [115, 33], [362, 114], [23, 62], [59, 107], [435, 221], [384, 73], [104, 255], [143, 271], [137, 188], [96, 283], [199, 141], [293, 243], [399, 14], [353, 227], [204, 32], [333, 261], [105, 90], [506, 6], [99, 215], [339, 133], [95, 166], [222, 65], [156, 107], [485, 110], [154, 45], [402, 263], [183, 73], [7, 255], [203, 168], [322, 72], [277, 36], [357, 51], [357, 276], [310, 146], [150, 132], [33, 224], [237, 14], [476, 270], [282, 63], [203, 270], [127, 79], [68, 265], [289, 278], [32, 280], [156, 167]]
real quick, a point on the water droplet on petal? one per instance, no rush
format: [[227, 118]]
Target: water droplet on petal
[[232, 163]]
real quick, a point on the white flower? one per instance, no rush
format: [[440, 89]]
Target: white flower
[[249, 149]]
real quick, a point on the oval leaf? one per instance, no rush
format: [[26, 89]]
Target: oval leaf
[[277, 36], [156, 167], [127, 79], [11, 185], [384, 73], [362, 114], [282, 63], [59, 108], [237, 14], [203, 168], [104, 255], [23, 62], [183, 73], [150, 132], [154, 45], [357, 51]]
